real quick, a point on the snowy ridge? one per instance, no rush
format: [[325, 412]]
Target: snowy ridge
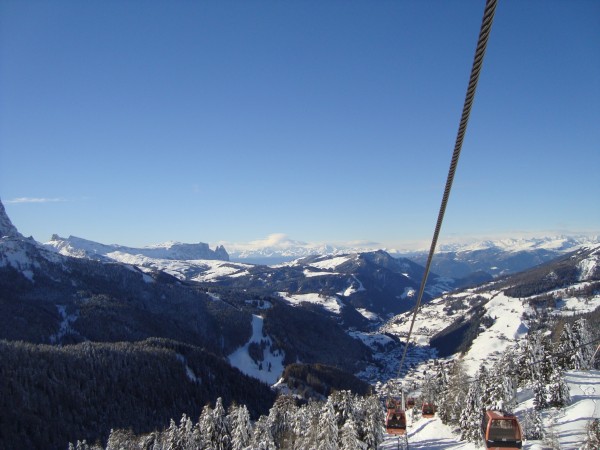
[[281, 246], [83, 248], [558, 243]]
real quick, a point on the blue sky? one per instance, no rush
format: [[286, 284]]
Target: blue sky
[[137, 122]]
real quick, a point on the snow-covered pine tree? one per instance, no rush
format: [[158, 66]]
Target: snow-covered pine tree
[[373, 422], [306, 426], [557, 388], [262, 439], [281, 421], [583, 352], [328, 430], [452, 398], [592, 441], [349, 437], [206, 428], [567, 343], [470, 418], [172, 438], [241, 429], [503, 395], [533, 426], [343, 405], [185, 430], [119, 439], [222, 440]]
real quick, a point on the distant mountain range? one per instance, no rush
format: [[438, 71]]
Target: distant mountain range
[[82, 248], [280, 248]]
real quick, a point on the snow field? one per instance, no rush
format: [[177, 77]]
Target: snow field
[[330, 303], [272, 365]]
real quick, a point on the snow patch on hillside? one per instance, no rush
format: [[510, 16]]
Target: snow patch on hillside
[[587, 267], [355, 286], [64, 327], [506, 330], [331, 263], [368, 314], [310, 273], [269, 370], [330, 303]]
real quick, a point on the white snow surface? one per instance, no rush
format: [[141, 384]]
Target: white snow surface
[[272, 365], [368, 314], [508, 325], [506, 330], [331, 263], [310, 273], [330, 303], [588, 266], [568, 424], [355, 286]]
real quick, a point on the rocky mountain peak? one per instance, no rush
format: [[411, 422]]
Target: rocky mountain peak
[[7, 229]]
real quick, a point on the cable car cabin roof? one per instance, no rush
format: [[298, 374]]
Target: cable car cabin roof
[[498, 415], [395, 422], [501, 430]]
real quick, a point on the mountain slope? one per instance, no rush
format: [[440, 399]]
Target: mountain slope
[[483, 321]]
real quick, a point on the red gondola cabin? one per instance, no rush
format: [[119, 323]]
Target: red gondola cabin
[[395, 422], [428, 410], [501, 431]]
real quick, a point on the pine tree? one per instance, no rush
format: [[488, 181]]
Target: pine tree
[[540, 401], [533, 426], [172, 438], [349, 436], [373, 422], [343, 405], [328, 430], [470, 418], [583, 352], [241, 429], [222, 440], [206, 427], [262, 439], [185, 429], [558, 389], [592, 441], [501, 386], [281, 420], [452, 398], [567, 343]]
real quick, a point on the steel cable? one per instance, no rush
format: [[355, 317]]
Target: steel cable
[[486, 26]]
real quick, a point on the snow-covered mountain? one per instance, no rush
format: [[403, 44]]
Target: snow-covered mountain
[[278, 248], [373, 283], [560, 243], [497, 258], [83, 248], [485, 320]]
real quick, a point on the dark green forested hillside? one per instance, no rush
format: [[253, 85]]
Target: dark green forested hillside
[[52, 395]]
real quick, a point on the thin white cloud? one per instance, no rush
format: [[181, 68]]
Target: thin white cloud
[[35, 200]]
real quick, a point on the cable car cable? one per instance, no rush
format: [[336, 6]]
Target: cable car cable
[[484, 32]]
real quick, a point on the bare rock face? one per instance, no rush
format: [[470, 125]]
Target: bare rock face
[[7, 229]]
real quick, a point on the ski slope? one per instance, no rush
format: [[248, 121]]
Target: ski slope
[[568, 424]]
